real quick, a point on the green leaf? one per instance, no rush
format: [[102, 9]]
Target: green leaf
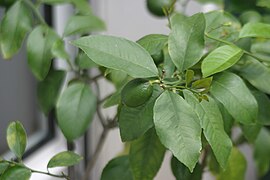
[[84, 62], [146, 156], [221, 24], [186, 41], [189, 77], [181, 172], [119, 54], [76, 107], [227, 118], [79, 25], [231, 91], [203, 83], [118, 168], [257, 74], [213, 128], [66, 158], [263, 3], [236, 168], [264, 106], [251, 131], [16, 172], [220, 59], [39, 44], [178, 128], [261, 49], [168, 65], [255, 29], [3, 167], [153, 43], [49, 89], [16, 138], [262, 152], [14, 26], [134, 122], [83, 7], [114, 99], [58, 50]]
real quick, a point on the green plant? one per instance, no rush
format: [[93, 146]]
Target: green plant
[[213, 76]]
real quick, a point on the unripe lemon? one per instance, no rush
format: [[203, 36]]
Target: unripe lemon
[[136, 92], [156, 6]]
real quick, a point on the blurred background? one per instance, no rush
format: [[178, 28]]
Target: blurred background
[[125, 18]]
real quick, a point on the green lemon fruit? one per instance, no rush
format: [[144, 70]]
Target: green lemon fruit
[[136, 92], [250, 16], [156, 6]]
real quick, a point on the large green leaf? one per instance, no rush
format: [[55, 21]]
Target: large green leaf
[[186, 41], [119, 54], [255, 29], [134, 122], [153, 43], [14, 26], [79, 25], [16, 138], [118, 168], [181, 172], [178, 128], [264, 106], [257, 74], [213, 128], [232, 92], [39, 44], [16, 172], [263, 3], [236, 167], [146, 156], [48, 90], [262, 152], [220, 59], [75, 109], [66, 158]]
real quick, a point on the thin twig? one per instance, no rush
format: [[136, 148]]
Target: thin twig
[[94, 158]]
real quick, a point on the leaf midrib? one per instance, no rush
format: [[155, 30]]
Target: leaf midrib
[[117, 57]]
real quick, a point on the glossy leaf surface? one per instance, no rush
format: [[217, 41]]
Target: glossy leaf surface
[[16, 138], [220, 59], [66, 158]]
